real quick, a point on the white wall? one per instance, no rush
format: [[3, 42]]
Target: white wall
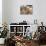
[[12, 13], [0, 13], [4, 11]]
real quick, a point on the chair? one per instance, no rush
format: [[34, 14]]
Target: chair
[[9, 42]]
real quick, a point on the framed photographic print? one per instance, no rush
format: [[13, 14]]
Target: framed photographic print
[[26, 9]]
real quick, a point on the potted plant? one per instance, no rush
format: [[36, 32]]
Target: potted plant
[[3, 34]]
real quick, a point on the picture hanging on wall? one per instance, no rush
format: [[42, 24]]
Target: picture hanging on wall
[[26, 9]]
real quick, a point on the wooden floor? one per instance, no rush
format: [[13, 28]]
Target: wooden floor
[[36, 44], [42, 45], [32, 45], [1, 45]]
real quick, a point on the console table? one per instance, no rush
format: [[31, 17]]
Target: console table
[[14, 28]]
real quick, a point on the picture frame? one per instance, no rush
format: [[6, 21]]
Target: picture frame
[[27, 9]]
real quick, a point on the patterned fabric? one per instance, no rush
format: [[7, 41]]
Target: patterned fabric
[[23, 44]]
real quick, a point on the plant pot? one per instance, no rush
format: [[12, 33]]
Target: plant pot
[[2, 40]]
